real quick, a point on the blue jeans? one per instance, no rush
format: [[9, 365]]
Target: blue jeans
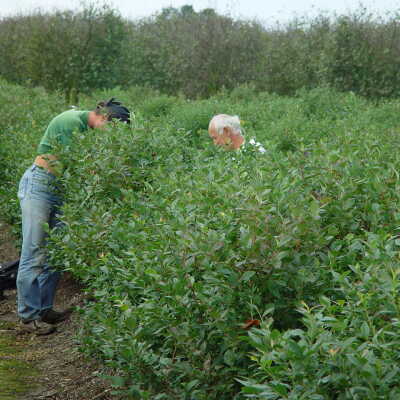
[[40, 201]]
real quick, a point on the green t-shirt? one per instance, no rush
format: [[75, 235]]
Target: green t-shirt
[[60, 129]]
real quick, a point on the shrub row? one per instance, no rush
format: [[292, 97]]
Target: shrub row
[[183, 246], [181, 51]]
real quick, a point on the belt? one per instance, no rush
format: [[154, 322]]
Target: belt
[[46, 171], [42, 163]]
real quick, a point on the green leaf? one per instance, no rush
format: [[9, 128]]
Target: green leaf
[[247, 276], [365, 330]]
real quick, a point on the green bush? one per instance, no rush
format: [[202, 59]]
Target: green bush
[[157, 106], [180, 244], [70, 51], [195, 116], [346, 348], [200, 53]]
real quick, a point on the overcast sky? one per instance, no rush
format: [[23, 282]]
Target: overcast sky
[[267, 11]]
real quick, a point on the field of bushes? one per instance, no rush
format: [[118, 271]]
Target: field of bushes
[[229, 275], [198, 53]]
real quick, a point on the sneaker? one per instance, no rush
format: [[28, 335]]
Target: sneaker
[[51, 316], [37, 327]]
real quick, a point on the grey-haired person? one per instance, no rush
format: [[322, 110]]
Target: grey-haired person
[[40, 200], [225, 131]]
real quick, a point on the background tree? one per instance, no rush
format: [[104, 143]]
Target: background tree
[[67, 51], [196, 53]]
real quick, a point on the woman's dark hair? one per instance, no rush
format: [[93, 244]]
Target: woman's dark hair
[[113, 109]]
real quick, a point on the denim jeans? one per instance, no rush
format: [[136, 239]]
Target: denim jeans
[[40, 201]]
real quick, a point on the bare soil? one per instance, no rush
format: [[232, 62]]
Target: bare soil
[[59, 371]]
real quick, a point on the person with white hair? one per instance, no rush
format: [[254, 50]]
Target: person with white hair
[[225, 131]]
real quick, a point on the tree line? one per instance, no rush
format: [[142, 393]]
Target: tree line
[[181, 51]]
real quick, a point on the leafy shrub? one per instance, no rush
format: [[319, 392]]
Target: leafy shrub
[[70, 51], [195, 116], [346, 349], [199, 54], [323, 103], [241, 93], [180, 244], [157, 106]]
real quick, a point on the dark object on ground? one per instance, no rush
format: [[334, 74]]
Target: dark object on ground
[[51, 316], [8, 276]]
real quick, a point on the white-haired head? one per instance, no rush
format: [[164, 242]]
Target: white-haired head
[[225, 130]]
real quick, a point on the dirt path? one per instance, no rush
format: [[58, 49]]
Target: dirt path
[[47, 367]]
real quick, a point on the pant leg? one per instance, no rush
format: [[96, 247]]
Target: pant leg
[[36, 281], [49, 278]]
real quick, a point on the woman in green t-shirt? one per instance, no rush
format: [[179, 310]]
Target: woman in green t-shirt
[[40, 204]]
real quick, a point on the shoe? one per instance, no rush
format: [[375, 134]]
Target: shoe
[[51, 316], [36, 327]]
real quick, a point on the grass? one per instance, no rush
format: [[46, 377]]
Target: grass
[[16, 375]]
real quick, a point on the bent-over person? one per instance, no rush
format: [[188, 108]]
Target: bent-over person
[[225, 130], [40, 198]]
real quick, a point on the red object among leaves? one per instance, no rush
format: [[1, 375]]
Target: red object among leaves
[[251, 322]]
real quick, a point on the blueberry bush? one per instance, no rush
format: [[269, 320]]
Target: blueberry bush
[[230, 275]]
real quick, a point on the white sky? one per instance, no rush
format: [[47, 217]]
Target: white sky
[[264, 10]]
